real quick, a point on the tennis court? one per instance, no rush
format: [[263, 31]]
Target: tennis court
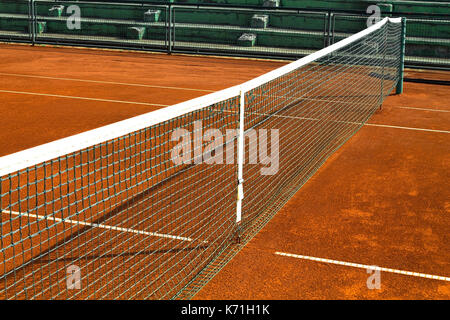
[[111, 205], [42, 104], [380, 200]]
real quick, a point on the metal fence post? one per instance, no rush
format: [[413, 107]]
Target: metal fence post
[[32, 20], [170, 26], [331, 25]]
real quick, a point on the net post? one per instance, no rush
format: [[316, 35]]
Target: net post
[[399, 89], [240, 159]]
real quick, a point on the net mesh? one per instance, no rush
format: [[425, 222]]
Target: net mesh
[[136, 223], [316, 108], [134, 218]]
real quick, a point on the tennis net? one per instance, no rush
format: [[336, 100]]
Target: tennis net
[[153, 206]]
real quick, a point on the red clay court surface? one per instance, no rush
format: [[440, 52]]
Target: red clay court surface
[[383, 199]]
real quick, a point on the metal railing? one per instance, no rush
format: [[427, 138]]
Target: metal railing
[[210, 29]]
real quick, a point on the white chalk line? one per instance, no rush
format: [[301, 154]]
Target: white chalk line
[[102, 226], [165, 105], [345, 122], [83, 98], [363, 266], [405, 128], [105, 82], [423, 109]]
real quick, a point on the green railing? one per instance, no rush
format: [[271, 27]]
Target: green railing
[[265, 32]]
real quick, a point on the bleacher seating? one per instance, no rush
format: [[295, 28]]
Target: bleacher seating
[[251, 29]]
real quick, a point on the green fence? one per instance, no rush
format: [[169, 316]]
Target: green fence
[[280, 33], [427, 40], [16, 20], [399, 7], [272, 32], [127, 25]]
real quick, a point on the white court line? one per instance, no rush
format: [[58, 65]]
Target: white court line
[[424, 109], [105, 82], [405, 128], [347, 122], [102, 226], [363, 266], [83, 98], [164, 105]]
